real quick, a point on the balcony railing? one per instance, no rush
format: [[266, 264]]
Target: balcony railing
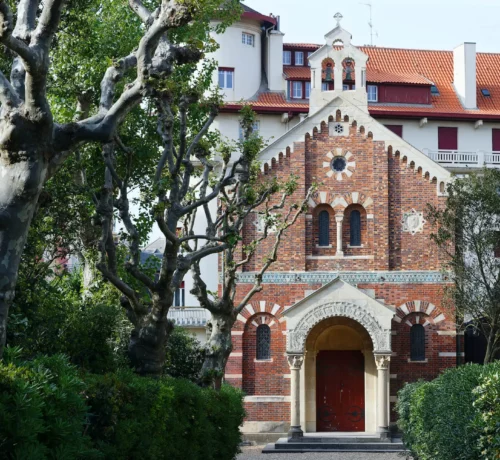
[[464, 159]]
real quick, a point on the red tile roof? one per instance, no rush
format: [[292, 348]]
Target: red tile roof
[[273, 102], [410, 66]]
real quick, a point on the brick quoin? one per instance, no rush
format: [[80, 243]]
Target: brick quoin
[[382, 187]]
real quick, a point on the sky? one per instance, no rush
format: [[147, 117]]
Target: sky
[[423, 24]]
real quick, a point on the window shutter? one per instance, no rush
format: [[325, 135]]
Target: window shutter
[[263, 342], [324, 228], [417, 343], [355, 228], [447, 138]]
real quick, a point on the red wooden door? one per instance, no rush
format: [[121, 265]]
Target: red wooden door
[[340, 391], [447, 138]]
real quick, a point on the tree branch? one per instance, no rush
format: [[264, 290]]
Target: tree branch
[[138, 8]]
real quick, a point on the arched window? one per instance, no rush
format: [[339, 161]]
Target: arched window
[[324, 228], [355, 225], [263, 342], [417, 343]]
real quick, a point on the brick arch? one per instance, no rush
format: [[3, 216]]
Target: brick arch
[[340, 202], [262, 306], [419, 307]]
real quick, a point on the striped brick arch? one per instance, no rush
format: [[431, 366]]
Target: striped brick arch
[[340, 202], [418, 312], [262, 306]]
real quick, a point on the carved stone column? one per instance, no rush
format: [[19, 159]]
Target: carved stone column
[[383, 361], [339, 218], [295, 363]]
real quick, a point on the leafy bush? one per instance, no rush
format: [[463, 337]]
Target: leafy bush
[[42, 410], [185, 355], [441, 420], [487, 406], [145, 418]]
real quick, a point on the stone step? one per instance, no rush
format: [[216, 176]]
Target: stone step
[[332, 447], [335, 444]]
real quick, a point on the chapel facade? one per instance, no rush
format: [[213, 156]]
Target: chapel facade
[[353, 308]]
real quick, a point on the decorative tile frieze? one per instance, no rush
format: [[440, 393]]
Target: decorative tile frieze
[[353, 278]]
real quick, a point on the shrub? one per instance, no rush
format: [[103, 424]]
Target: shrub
[[42, 410], [441, 420], [145, 418], [487, 406], [185, 355]]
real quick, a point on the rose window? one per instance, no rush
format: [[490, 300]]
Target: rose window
[[338, 164], [338, 128]]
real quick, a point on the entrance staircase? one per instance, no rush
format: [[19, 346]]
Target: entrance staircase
[[335, 442]]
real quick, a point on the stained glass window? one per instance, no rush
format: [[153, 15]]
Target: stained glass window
[[263, 342], [417, 342], [355, 228], [324, 228]]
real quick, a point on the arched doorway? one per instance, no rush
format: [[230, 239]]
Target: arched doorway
[[340, 378]]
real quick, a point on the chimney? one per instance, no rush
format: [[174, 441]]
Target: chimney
[[274, 58], [464, 69]]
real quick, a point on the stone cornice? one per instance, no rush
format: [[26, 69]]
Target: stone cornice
[[353, 278]]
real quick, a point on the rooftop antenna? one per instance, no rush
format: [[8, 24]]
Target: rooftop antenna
[[369, 5]]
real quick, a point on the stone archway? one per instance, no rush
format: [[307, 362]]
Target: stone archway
[[376, 326], [381, 337]]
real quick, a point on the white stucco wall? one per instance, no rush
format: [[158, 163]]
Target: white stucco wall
[[271, 126], [245, 59], [469, 138]]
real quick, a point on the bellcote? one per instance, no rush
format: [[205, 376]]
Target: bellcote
[[338, 68]]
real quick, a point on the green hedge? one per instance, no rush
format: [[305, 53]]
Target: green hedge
[[144, 418], [49, 410], [447, 418], [42, 410]]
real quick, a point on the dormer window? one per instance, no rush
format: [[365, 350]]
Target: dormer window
[[287, 58], [434, 90], [372, 91], [299, 58], [248, 39]]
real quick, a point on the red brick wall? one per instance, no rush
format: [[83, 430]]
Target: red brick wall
[[389, 186]]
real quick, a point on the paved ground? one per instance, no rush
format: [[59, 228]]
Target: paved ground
[[254, 453]]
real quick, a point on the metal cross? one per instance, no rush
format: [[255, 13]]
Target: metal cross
[[338, 17]]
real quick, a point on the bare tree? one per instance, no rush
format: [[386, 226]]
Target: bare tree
[[32, 144], [468, 232], [253, 197]]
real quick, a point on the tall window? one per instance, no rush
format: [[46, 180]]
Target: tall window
[[324, 228], [355, 224], [299, 58], [308, 89], [325, 86], [308, 55], [417, 343], [287, 57], [297, 90], [256, 129], [226, 78], [248, 39], [263, 342], [372, 91], [179, 296]]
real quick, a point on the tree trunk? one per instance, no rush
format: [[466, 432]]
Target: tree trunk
[[217, 349], [147, 345], [22, 175], [89, 272]]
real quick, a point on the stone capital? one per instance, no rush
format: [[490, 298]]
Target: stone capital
[[382, 361], [339, 217], [295, 361]]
